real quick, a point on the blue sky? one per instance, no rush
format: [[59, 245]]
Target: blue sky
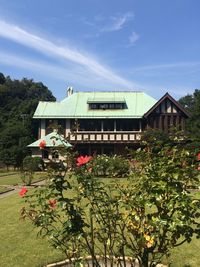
[[151, 46]]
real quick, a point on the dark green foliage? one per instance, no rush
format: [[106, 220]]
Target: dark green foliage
[[18, 101], [107, 166], [192, 104], [2, 78], [32, 163]]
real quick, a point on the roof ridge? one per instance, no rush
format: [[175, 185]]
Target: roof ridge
[[127, 91]]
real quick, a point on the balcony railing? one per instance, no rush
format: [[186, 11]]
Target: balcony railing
[[105, 137]]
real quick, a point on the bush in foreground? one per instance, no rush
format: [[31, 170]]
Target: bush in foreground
[[144, 218]]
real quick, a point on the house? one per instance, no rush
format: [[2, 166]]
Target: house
[[107, 122]]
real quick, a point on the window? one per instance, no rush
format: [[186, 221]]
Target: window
[[107, 106], [55, 154], [127, 125], [89, 125], [108, 125]]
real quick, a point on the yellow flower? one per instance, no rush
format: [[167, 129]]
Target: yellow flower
[[147, 237], [150, 242]]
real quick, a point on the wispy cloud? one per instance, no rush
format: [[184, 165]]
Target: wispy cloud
[[31, 64], [133, 38], [69, 73], [117, 22], [167, 66], [47, 47]]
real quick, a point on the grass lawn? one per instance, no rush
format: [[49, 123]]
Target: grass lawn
[[5, 173], [4, 189], [21, 247], [16, 178]]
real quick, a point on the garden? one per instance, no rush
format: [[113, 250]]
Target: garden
[[141, 211]]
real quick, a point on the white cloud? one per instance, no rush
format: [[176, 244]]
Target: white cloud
[[167, 66], [21, 36], [117, 22], [133, 38], [69, 73], [31, 64]]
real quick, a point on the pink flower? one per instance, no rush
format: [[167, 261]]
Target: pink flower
[[52, 203], [42, 144], [83, 160], [90, 169], [198, 168], [198, 156], [23, 192]]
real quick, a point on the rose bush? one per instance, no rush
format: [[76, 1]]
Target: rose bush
[[142, 217]]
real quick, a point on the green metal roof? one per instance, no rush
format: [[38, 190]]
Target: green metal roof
[[52, 140], [76, 106]]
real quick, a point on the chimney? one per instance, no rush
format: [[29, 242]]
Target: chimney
[[69, 91]]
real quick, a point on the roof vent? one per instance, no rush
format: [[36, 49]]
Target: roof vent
[[70, 91]]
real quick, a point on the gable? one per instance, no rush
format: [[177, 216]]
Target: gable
[[167, 105]]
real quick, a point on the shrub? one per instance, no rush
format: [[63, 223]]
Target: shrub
[[107, 166], [143, 218], [32, 164], [27, 177]]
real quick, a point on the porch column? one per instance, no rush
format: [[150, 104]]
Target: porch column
[[43, 126], [115, 126], [102, 126], [140, 123], [67, 127]]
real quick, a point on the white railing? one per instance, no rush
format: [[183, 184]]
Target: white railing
[[110, 137]]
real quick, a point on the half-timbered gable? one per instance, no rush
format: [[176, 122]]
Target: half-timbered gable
[[166, 114]]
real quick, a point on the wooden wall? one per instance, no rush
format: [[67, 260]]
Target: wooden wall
[[167, 115]]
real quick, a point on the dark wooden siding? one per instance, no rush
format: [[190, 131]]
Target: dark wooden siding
[[166, 116]]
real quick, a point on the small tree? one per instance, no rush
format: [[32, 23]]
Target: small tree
[[168, 211], [32, 163]]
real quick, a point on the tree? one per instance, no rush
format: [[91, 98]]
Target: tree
[[166, 211], [18, 101], [2, 78], [191, 103]]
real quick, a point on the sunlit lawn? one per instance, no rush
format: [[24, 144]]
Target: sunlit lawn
[[21, 247], [15, 179], [4, 189]]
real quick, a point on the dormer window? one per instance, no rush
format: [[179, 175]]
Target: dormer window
[[104, 104]]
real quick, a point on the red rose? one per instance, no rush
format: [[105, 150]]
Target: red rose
[[83, 160], [23, 191], [52, 203], [42, 144], [198, 156]]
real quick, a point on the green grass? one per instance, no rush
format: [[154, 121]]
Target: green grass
[[16, 178], [5, 173], [4, 189], [20, 246]]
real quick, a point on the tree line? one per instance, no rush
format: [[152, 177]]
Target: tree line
[[18, 101]]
